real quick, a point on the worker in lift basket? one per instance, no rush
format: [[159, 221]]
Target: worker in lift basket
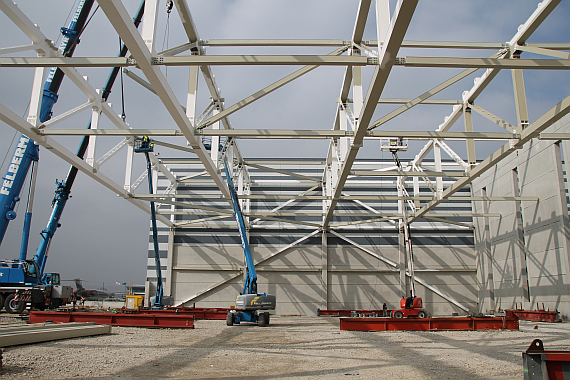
[[384, 310], [146, 142]]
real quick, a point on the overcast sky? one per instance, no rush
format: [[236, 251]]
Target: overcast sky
[[105, 239]]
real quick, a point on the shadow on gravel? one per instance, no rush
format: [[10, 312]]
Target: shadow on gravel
[[159, 368], [400, 352]]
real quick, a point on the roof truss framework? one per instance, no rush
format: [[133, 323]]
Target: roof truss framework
[[353, 119], [144, 56]]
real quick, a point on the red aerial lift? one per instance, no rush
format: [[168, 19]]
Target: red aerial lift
[[412, 306]]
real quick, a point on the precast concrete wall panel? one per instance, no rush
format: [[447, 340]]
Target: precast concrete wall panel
[[529, 244], [208, 256], [206, 262]]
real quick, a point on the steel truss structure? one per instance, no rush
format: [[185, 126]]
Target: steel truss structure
[[354, 119]]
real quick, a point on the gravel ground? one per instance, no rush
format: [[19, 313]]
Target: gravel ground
[[290, 348]]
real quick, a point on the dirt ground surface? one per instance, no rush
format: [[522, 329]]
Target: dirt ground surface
[[289, 348]]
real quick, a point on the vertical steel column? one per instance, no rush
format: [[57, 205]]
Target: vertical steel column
[[564, 220], [92, 145], [241, 190], [382, 20], [324, 272], [33, 119], [129, 165], [37, 94], [438, 168], [149, 24], [519, 249], [192, 95], [344, 142], [485, 258], [520, 96], [230, 157], [417, 193], [468, 121], [357, 95], [215, 143]]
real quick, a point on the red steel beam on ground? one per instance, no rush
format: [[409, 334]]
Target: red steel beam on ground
[[429, 324], [196, 312], [537, 315], [350, 313], [539, 364], [156, 320]]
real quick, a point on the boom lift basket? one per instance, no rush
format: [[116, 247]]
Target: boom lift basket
[[143, 145], [394, 144]]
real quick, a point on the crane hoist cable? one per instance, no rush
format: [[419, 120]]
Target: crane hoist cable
[[76, 41], [123, 116], [169, 4]]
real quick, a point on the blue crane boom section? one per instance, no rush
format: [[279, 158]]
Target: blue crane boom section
[[250, 286], [27, 152]]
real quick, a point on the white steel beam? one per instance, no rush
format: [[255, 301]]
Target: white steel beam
[[64, 116], [395, 266], [357, 33], [286, 204], [150, 20], [157, 197], [288, 60], [112, 151], [374, 43], [485, 63], [542, 51], [193, 37], [397, 173], [287, 173], [286, 248], [532, 131], [400, 22], [451, 153], [36, 97], [16, 122], [121, 21], [278, 133], [488, 115], [525, 30], [450, 102], [468, 123], [423, 98], [267, 90]]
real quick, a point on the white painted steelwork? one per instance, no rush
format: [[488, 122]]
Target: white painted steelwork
[[325, 183]]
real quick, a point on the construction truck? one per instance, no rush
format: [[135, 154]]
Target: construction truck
[[250, 305]]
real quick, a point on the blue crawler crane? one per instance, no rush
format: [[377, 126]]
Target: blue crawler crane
[[249, 302], [22, 274]]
